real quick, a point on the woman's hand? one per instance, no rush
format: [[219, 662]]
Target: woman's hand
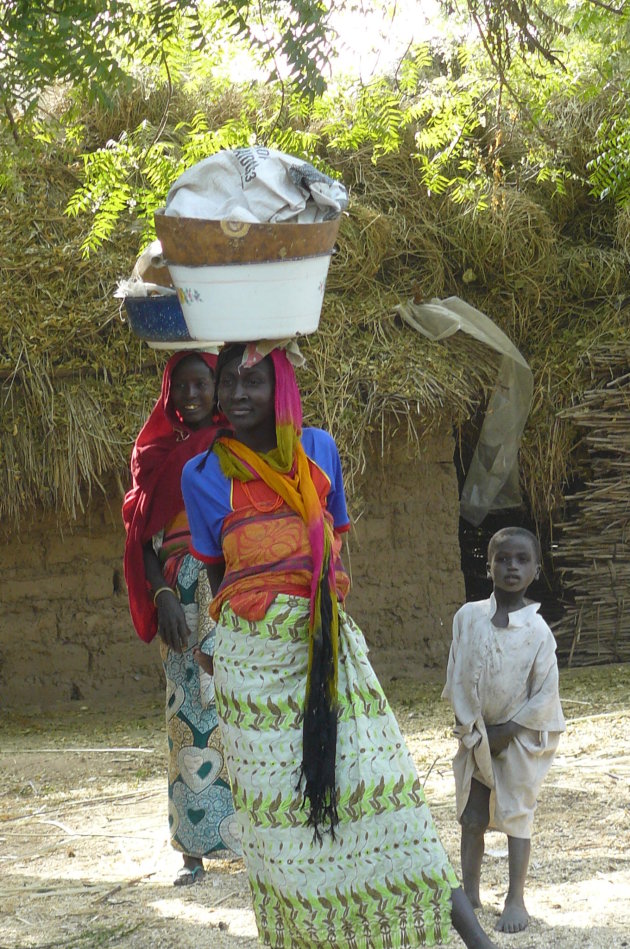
[[204, 661], [500, 736], [172, 628]]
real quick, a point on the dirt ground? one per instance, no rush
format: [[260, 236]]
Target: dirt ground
[[85, 860]]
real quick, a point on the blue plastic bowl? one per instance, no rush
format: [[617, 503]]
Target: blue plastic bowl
[[157, 319]]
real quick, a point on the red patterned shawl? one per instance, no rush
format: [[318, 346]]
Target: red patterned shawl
[[161, 450]]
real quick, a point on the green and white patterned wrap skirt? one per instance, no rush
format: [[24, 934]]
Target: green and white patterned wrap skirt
[[385, 881]]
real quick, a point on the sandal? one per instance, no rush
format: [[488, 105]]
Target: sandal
[[186, 876]]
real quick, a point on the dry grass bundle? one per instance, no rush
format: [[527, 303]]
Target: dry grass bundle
[[392, 182], [69, 412], [590, 272], [622, 230], [567, 203], [424, 261], [573, 122], [72, 447], [513, 241], [363, 243], [415, 262], [133, 107]]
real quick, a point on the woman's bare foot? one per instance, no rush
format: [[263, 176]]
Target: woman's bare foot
[[514, 918], [475, 900], [466, 923]]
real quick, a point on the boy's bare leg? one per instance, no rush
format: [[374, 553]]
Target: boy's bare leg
[[466, 923], [515, 917], [474, 823]]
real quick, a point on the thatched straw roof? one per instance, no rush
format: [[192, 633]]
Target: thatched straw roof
[[74, 383]]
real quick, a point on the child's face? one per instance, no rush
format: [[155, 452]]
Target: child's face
[[514, 564]]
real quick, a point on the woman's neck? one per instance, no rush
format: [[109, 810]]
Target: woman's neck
[[206, 423], [261, 442]]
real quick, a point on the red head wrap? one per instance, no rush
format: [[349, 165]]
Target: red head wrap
[[160, 452]]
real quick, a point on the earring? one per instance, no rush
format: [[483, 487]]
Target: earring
[[219, 406]]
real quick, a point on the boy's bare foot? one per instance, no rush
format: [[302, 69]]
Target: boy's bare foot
[[513, 919]]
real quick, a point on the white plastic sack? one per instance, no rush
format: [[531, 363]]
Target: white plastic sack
[[256, 185], [492, 482], [150, 276], [135, 287]]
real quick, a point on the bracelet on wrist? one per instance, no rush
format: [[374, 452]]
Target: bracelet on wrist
[[163, 590]]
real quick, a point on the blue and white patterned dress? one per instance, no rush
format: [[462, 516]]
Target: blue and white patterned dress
[[200, 809]]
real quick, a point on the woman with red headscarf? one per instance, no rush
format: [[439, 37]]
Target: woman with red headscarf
[[340, 846], [165, 588]]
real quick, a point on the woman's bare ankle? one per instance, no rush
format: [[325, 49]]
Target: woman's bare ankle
[[473, 896], [466, 923]]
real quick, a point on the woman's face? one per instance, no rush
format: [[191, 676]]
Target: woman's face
[[192, 392], [246, 397]]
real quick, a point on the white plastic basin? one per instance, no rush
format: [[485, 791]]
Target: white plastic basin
[[239, 302]]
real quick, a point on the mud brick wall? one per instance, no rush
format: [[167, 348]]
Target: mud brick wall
[[65, 631], [405, 559]]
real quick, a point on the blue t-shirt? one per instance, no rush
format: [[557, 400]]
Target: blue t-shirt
[[207, 493]]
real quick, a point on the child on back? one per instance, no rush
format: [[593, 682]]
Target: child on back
[[502, 683]]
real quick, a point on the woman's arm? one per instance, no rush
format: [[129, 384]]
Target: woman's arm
[[216, 572], [172, 627]]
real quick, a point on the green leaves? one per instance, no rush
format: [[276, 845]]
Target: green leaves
[[482, 113], [609, 171], [132, 175], [97, 45], [59, 41]]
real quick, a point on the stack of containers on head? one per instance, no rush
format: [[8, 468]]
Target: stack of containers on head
[[247, 236]]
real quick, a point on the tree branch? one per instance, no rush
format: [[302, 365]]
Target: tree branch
[[618, 11], [12, 123]]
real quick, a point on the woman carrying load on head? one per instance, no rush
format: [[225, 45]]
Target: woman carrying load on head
[[166, 585], [340, 846]]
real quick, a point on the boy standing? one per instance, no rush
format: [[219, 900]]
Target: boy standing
[[502, 683]]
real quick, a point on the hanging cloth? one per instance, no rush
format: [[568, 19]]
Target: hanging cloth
[[492, 481]]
